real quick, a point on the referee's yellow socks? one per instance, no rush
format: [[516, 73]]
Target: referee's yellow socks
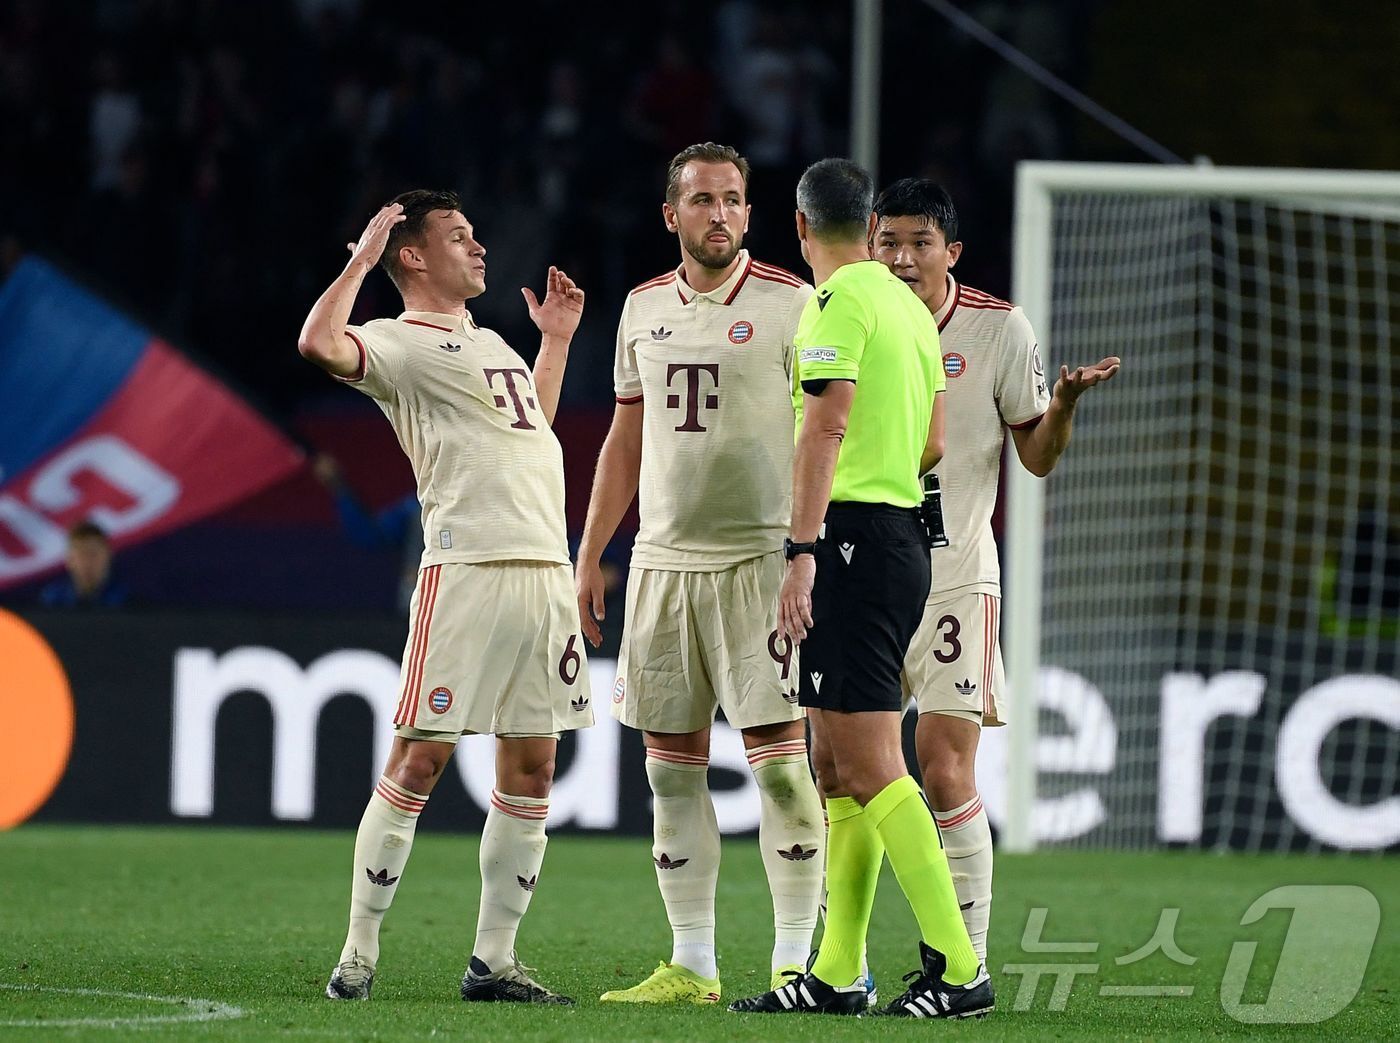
[[853, 856], [905, 824]]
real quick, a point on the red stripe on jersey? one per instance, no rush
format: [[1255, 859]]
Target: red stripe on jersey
[[416, 322], [981, 306], [776, 278], [660, 280], [1027, 424], [740, 284], [773, 269], [629, 401], [981, 295], [359, 374]]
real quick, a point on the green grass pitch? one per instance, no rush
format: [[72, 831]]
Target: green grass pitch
[[94, 922]]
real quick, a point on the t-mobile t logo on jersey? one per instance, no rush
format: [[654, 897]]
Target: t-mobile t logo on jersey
[[693, 405], [513, 391]]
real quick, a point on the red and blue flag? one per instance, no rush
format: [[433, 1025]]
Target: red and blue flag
[[102, 420]]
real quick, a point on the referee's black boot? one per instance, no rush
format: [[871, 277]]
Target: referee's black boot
[[806, 994], [929, 996]]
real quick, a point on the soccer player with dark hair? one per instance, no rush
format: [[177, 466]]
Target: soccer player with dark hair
[[871, 417], [996, 383], [703, 428], [493, 644]]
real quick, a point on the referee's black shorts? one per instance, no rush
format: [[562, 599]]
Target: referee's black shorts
[[868, 598]]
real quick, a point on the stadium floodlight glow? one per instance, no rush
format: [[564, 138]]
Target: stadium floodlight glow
[[1231, 504]]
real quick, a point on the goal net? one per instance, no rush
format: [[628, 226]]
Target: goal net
[[1207, 589]]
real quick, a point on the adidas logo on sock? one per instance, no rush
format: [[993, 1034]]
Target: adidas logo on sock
[[965, 687], [797, 854], [382, 878], [666, 862], [528, 885]]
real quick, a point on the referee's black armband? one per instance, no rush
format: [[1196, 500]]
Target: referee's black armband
[[816, 387]]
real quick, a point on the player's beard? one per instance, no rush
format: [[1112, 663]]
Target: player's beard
[[703, 253]]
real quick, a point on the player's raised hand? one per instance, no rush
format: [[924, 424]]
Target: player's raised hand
[[1071, 385], [370, 248], [558, 315], [588, 583]]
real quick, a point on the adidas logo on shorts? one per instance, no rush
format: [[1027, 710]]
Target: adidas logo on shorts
[[965, 687]]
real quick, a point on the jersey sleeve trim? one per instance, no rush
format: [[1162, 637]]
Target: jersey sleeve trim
[[359, 374], [629, 400], [1025, 425]]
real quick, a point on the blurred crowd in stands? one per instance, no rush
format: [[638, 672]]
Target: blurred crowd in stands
[[203, 162]]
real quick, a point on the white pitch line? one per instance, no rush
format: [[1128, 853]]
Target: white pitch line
[[214, 1011]]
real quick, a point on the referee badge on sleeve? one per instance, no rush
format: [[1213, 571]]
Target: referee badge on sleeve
[[817, 355]]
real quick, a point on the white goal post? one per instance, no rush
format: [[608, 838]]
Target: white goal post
[[1213, 564]]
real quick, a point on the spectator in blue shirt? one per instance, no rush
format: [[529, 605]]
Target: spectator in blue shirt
[[88, 580]]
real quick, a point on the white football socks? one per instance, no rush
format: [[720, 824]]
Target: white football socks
[[382, 844], [967, 841], [512, 851], [792, 839], [686, 852]]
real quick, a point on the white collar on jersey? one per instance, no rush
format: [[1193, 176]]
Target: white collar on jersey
[[440, 321], [950, 303], [723, 293]]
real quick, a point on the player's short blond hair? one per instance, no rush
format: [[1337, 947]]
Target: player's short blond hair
[[706, 152]]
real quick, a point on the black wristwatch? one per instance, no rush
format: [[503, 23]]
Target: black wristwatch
[[792, 550]]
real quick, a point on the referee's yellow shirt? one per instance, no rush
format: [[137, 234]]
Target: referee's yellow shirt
[[864, 324]]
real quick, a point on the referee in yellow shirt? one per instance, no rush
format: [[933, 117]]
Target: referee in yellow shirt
[[869, 374]]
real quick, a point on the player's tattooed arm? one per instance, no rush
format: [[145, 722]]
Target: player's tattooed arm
[[1041, 446], [556, 317], [323, 340]]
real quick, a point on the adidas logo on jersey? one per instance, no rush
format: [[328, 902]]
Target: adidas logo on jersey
[[450, 347], [528, 885], [817, 682], [797, 854], [580, 704], [382, 878], [666, 862], [660, 334], [965, 687], [847, 549]]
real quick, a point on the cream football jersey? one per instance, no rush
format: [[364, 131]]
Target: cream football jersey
[[713, 371], [995, 380], [489, 469]]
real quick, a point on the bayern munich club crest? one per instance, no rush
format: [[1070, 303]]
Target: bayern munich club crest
[[741, 332], [620, 690], [954, 365], [440, 700]]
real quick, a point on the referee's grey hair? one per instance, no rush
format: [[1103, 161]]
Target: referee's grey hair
[[836, 196]]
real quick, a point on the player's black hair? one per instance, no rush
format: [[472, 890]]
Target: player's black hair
[[417, 205], [707, 152], [920, 197], [836, 197]]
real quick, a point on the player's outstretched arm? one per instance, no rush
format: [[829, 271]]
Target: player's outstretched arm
[[1041, 446], [323, 340], [556, 317], [614, 486], [933, 447]]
